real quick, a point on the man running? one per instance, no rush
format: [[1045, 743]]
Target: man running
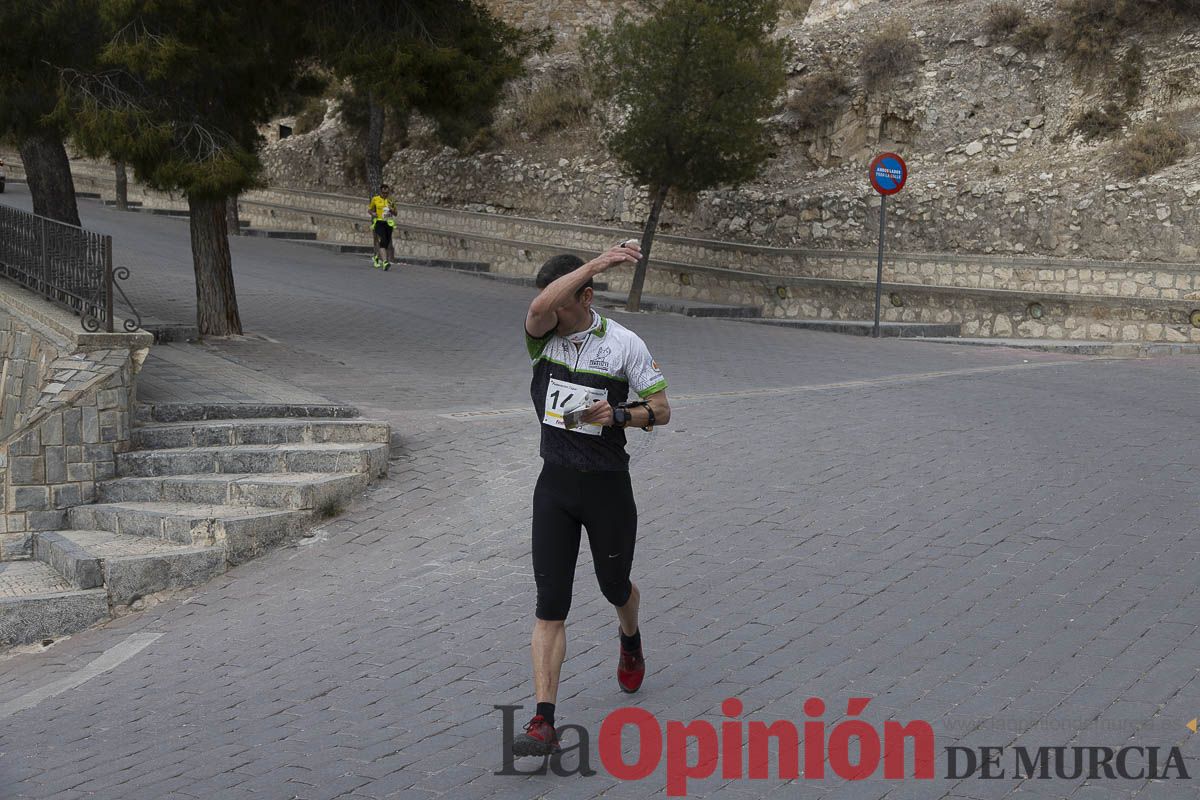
[[584, 367], [383, 222]]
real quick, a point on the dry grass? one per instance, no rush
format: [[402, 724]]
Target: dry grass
[[890, 54], [1004, 19], [310, 117], [1096, 123], [797, 8], [1152, 148], [1088, 31], [818, 98], [558, 103]]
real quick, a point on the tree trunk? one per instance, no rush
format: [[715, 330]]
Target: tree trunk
[[232, 221], [374, 147], [122, 186], [49, 176], [216, 300], [639, 273]]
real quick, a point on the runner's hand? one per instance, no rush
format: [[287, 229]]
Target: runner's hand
[[627, 252], [598, 413]]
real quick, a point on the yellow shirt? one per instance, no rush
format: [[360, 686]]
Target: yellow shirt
[[378, 205]]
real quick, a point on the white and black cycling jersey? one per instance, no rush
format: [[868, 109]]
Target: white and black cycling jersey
[[604, 362]]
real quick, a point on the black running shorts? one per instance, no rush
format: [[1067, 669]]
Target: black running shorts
[[566, 499], [384, 233]]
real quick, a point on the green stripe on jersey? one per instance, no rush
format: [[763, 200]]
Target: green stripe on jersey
[[536, 346], [654, 389]]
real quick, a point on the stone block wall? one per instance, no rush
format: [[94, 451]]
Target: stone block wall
[[26, 354], [69, 442], [71, 399]]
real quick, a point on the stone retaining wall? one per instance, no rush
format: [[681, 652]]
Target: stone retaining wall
[[73, 414], [26, 353], [988, 295]]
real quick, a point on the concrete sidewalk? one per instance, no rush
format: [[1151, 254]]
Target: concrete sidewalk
[[198, 373]]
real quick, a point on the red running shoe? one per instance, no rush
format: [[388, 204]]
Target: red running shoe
[[539, 739], [631, 669]]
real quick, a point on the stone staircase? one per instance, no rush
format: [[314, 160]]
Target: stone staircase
[[196, 495]]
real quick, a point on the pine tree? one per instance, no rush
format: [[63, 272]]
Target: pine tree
[[693, 83], [181, 90], [41, 38], [448, 59]]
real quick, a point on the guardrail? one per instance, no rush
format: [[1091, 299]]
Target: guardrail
[[69, 266]]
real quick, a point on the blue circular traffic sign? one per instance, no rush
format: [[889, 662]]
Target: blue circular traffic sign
[[888, 172]]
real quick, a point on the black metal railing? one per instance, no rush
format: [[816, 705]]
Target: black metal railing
[[67, 265]]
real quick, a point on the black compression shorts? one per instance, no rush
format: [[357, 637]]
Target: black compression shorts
[[602, 502], [384, 232]]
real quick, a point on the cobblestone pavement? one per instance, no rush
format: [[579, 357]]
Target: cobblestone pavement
[[1001, 543]]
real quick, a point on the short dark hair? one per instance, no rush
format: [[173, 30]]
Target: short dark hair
[[383, 186], [558, 266]]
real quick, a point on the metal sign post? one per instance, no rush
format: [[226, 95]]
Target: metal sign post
[[888, 173], [879, 266]]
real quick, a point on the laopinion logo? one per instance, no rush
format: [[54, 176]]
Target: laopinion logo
[[852, 749]]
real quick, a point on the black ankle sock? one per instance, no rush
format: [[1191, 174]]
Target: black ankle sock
[[631, 643], [547, 711]]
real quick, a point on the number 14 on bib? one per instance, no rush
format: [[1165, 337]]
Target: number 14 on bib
[[563, 396]]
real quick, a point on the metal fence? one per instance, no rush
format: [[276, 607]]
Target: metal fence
[[69, 266]]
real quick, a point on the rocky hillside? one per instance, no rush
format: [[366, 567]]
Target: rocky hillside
[[1013, 148]]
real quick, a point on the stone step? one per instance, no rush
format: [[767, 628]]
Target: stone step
[[214, 433], [38, 603], [908, 330], [128, 567], [258, 458], [445, 263], [243, 531], [186, 412], [298, 236], [673, 305], [322, 492], [171, 331], [338, 247]]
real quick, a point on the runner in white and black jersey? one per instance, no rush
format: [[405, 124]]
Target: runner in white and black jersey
[[592, 378]]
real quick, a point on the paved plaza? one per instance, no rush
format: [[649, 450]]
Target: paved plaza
[[1000, 543]]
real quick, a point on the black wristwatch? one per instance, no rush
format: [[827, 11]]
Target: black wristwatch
[[621, 417]]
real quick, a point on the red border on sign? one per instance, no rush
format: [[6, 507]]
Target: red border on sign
[[875, 163]]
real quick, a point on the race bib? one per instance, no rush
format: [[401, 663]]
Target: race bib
[[562, 397]]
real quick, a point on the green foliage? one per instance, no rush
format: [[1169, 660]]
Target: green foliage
[[887, 55], [448, 59], [1096, 123], [30, 66], [694, 83], [1004, 19], [819, 97], [1152, 148], [183, 87]]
